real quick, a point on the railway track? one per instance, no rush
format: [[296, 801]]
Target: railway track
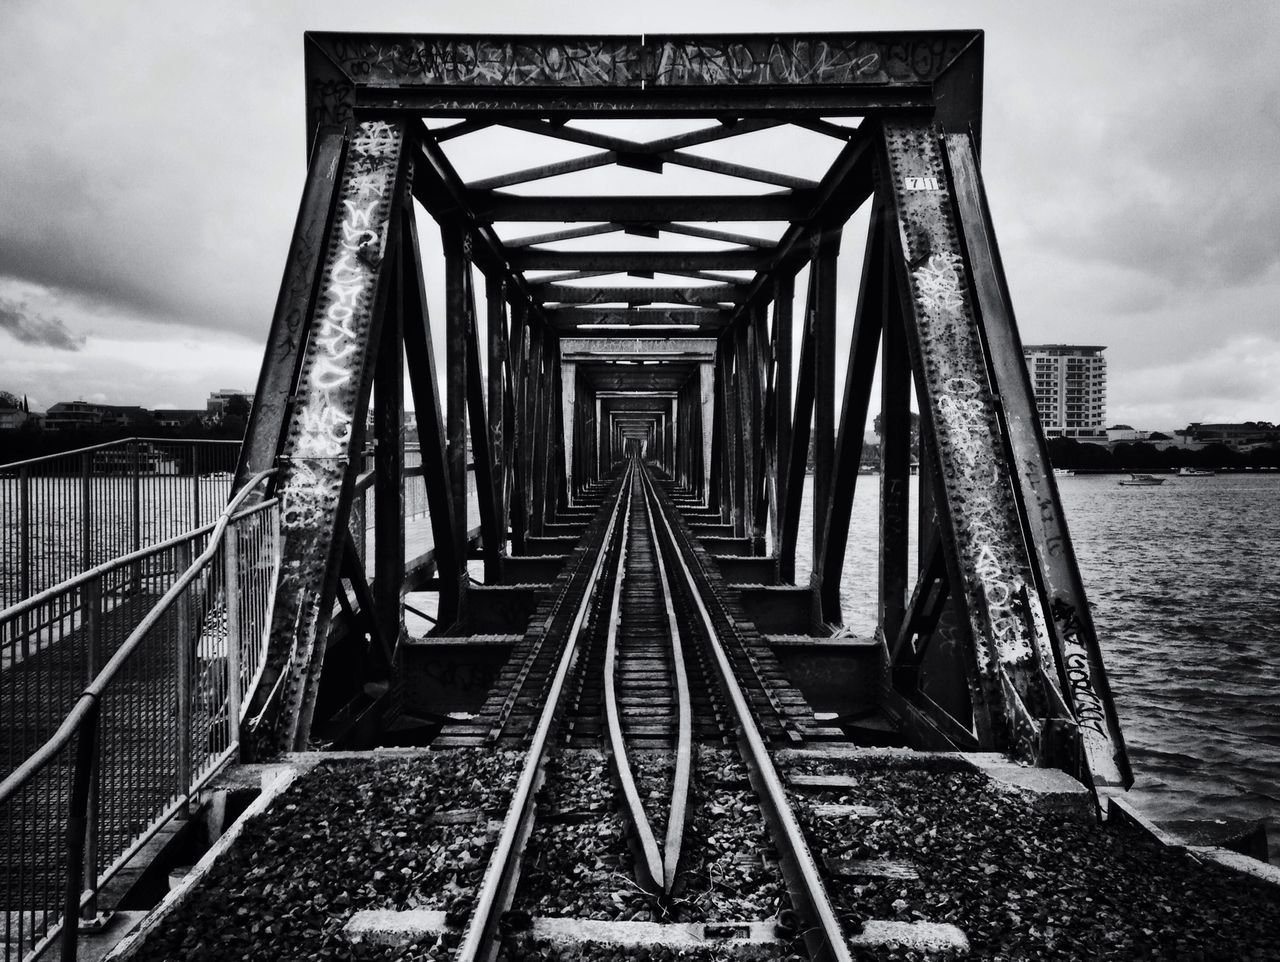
[[642, 636]]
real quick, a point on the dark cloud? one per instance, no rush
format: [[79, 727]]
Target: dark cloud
[[36, 328]]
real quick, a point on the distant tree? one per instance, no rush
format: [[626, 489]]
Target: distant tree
[[237, 406], [10, 402], [1158, 436]]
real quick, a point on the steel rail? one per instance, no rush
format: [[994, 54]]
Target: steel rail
[[822, 931], [649, 864], [657, 870], [684, 732], [497, 884]]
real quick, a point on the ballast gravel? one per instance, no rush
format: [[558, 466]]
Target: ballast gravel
[[346, 836], [1027, 884]]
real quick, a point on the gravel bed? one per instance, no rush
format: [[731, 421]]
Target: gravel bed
[[722, 875], [345, 836], [582, 866], [654, 772], [1028, 885], [577, 862]]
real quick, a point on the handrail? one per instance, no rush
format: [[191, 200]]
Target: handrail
[[132, 557], [88, 700], [109, 444]]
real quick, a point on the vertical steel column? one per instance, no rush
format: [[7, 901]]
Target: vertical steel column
[[895, 461], [538, 374], [481, 452], [496, 335], [516, 418], [783, 333], [456, 341], [798, 452], [557, 486], [388, 469], [743, 431], [760, 402], [716, 474], [824, 391]]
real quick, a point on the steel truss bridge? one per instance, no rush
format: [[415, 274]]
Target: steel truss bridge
[[618, 378]]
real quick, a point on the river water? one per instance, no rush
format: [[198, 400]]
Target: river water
[[1184, 582]]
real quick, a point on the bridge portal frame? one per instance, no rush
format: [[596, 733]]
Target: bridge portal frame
[[997, 580]]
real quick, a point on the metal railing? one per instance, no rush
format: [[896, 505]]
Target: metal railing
[[64, 513], [122, 693]]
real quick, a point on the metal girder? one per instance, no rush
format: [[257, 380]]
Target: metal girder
[[491, 205], [326, 425], [734, 260], [645, 347], [693, 296], [286, 339], [568, 319], [623, 146], [988, 563], [698, 75], [571, 233], [847, 184], [1082, 676]]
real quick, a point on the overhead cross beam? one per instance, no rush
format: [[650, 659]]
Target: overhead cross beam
[[761, 75]]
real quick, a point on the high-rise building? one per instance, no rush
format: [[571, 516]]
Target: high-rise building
[[1070, 382]]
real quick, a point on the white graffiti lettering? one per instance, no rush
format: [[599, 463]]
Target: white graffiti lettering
[[323, 429], [939, 282]]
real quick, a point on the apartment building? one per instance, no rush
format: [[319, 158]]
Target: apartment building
[[1070, 384]]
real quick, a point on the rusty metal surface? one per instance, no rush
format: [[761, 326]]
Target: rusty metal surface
[[332, 398], [1083, 677], [293, 304], [991, 565], [391, 60]]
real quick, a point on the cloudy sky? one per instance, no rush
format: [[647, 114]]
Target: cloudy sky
[[154, 153]]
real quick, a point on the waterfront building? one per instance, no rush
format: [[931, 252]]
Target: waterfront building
[[179, 417], [1070, 384], [1243, 435], [73, 415]]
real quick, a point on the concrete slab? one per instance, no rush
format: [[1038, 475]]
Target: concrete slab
[[1047, 788], [835, 810], [390, 928], [931, 937]]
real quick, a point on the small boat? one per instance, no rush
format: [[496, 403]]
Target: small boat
[[1063, 473], [1194, 473], [1142, 481]]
